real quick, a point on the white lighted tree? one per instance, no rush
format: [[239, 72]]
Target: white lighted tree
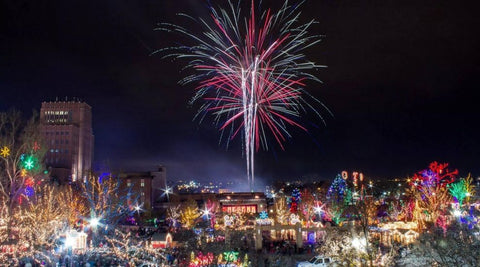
[[21, 170]]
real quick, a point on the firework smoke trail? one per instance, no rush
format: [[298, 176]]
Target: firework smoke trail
[[250, 75]]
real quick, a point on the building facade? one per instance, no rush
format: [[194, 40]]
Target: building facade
[[67, 130], [146, 188]]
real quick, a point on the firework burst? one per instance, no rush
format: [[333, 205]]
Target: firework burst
[[250, 72]]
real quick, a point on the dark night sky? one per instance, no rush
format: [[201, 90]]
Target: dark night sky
[[401, 82]]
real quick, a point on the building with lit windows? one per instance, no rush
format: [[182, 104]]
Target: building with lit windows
[[146, 188], [243, 202], [239, 202], [67, 130]]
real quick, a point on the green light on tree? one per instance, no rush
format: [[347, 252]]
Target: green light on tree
[[29, 162], [230, 256], [459, 191]]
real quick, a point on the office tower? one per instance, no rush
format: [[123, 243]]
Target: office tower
[[67, 130]]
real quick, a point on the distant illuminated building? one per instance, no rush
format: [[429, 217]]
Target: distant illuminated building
[[244, 202], [146, 187], [67, 130]]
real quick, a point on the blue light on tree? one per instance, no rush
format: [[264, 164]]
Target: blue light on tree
[[263, 215]]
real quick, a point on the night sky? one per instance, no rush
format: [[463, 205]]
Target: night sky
[[401, 82]]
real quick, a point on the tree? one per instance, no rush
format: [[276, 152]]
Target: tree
[[458, 246], [107, 202], [173, 216], [189, 213], [21, 169], [338, 196], [365, 211], [295, 200], [43, 217], [281, 210], [74, 204], [429, 189], [210, 211], [338, 244], [307, 206], [461, 190]]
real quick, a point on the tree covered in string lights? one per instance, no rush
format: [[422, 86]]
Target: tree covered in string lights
[[281, 209], [30, 210], [44, 217], [307, 206], [210, 211], [173, 216], [461, 189], [337, 198], [337, 190], [21, 169], [457, 246], [430, 191], [189, 213], [294, 200], [108, 203]]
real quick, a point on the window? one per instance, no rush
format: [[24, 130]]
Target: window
[[142, 183]]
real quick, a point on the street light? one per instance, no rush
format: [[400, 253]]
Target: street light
[[206, 212], [457, 213], [359, 243], [94, 221], [167, 191]]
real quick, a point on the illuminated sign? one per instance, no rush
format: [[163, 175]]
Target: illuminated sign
[[239, 208]]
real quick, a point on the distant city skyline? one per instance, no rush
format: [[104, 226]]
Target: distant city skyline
[[401, 83]]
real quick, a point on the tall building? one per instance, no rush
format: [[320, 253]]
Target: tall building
[[67, 130]]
